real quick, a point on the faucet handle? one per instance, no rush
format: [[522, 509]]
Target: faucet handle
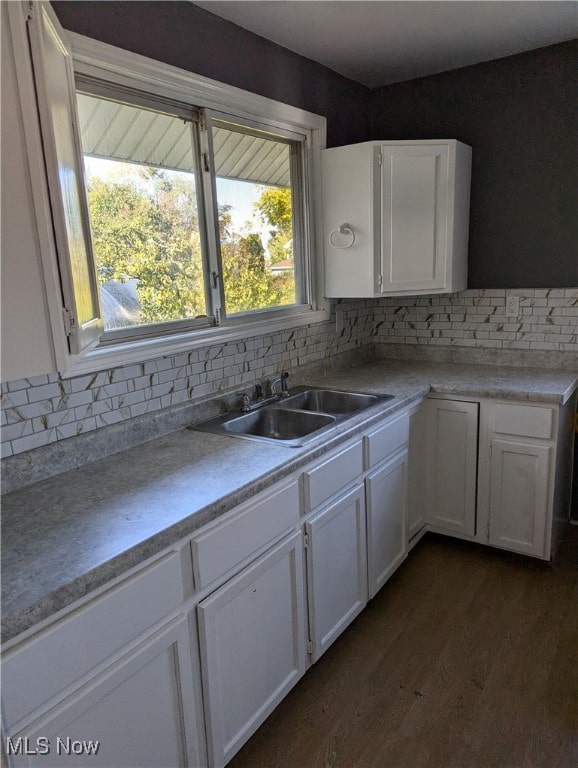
[[246, 400], [258, 390]]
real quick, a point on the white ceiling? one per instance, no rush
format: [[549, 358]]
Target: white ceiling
[[377, 43]]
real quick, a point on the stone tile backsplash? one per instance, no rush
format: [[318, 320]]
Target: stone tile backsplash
[[548, 320], [43, 410]]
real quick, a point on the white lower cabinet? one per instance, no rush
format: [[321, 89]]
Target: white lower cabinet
[[386, 498], [123, 668], [253, 646], [499, 472], [137, 713], [451, 470], [518, 496], [336, 568]]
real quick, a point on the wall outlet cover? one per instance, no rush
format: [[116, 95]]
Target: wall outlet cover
[[513, 306]]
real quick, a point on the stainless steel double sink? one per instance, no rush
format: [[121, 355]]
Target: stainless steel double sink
[[295, 419]]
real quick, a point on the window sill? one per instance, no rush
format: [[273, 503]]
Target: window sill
[[104, 358]]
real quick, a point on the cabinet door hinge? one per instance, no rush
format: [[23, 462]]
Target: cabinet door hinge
[[69, 321], [380, 279], [379, 158], [306, 540], [488, 532], [310, 647]]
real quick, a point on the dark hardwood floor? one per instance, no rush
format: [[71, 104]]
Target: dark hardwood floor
[[467, 658]]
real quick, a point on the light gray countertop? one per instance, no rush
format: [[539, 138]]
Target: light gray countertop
[[68, 535]]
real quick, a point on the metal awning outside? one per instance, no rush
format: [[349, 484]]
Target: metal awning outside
[[117, 131]]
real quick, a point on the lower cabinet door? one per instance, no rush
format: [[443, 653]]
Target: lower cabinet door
[[519, 496], [386, 497], [138, 713], [336, 568], [451, 465], [252, 638]]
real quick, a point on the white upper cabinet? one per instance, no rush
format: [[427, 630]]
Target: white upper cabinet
[[396, 218]]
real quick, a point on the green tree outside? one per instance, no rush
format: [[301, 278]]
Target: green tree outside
[[146, 229], [274, 206]]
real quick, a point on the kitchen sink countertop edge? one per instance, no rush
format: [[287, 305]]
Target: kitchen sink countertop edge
[[73, 533]]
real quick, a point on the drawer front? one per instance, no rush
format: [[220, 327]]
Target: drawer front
[[386, 440], [322, 482], [245, 531], [54, 659], [524, 420]]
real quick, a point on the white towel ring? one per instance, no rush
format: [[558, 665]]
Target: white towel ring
[[344, 229]]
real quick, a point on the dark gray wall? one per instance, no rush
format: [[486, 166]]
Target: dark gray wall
[[520, 116], [181, 34]]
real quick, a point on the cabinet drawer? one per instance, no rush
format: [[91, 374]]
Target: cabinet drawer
[[246, 530], [524, 420], [45, 665], [387, 439], [322, 482]]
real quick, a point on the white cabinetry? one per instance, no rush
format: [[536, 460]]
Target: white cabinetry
[[386, 493], [120, 670], [252, 637], [518, 496], [336, 568], [136, 713], [405, 207], [526, 466], [522, 466], [452, 460], [386, 520]]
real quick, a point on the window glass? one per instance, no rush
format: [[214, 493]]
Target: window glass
[[142, 195], [255, 201]]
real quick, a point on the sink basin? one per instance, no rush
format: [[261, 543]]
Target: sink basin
[[332, 401], [277, 423], [293, 420]]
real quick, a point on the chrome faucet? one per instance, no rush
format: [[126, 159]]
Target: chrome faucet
[[248, 405], [284, 387]]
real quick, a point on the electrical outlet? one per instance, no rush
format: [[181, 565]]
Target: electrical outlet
[[338, 320], [513, 306]]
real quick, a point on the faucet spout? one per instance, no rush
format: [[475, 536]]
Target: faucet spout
[[283, 385]]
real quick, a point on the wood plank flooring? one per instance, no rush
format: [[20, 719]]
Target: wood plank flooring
[[467, 658]]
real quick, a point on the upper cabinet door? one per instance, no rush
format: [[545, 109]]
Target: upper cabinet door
[[54, 78], [396, 218], [414, 189]]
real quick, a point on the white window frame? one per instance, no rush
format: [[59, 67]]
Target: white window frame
[[123, 69]]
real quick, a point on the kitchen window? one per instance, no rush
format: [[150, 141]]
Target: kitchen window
[[184, 209]]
